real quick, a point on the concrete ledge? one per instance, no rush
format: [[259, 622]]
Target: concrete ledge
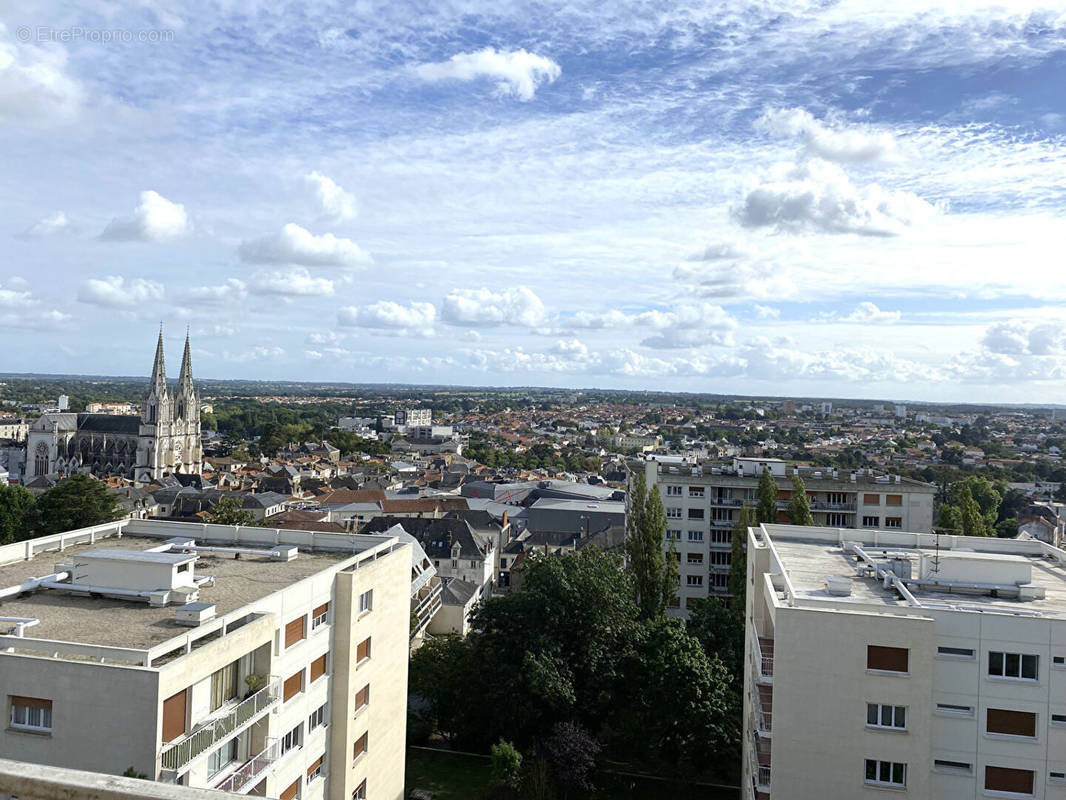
[[36, 782]]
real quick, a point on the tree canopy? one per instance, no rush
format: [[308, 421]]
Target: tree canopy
[[75, 502], [228, 511], [799, 506], [654, 572], [766, 509], [16, 514]]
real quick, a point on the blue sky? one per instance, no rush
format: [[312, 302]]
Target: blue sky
[[850, 199]]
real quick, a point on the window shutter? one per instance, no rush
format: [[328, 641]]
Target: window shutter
[[290, 793], [315, 765], [1004, 779], [294, 631], [174, 716], [363, 650], [1012, 723], [320, 610], [37, 702], [293, 685], [318, 668], [888, 659]]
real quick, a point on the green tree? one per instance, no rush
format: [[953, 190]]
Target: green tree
[[738, 565], [973, 521], [799, 507], [766, 509], [506, 764], [16, 514], [75, 502], [654, 572], [228, 511], [720, 630]]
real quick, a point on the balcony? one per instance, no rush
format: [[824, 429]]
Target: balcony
[[762, 701], [424, 604], [250, 773], [220, 726], [760, 767], [762, 650], [730, 502]]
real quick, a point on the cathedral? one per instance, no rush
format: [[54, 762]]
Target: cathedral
[[163, 440]]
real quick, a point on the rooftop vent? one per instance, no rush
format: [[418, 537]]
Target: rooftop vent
[[193, 614], [838, 586]]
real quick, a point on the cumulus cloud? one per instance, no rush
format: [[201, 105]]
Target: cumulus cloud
[[868, 313], [14, 295], [34, 84], [388, 314], [48, 226], [232, 291], [721, 251], [155, 219], [1018, 337], [485, 307], [818, 195], [767, 312], [835, 143], [258, 353], [114, 291], [296, 245], [724, 280], [296, 282], [517, 73], [687, 325], [335, 202]]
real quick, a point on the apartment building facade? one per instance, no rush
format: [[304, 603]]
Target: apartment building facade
[[262, 662], [930, 666], [702, 502]]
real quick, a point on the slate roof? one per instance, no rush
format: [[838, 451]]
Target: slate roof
[[122, 425], [456, 591], [437, 536]]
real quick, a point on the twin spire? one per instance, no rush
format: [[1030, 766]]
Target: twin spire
[[159, 367], [156, 407]]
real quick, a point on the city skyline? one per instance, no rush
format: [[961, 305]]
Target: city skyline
[[694, 200]]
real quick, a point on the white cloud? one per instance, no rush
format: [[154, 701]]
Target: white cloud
[[767, 312], [820, 196], [1017, 337], [854, 145], [12, 295], [485, 307], [296, 282], [155, 219], [232, 291], [34, 84], [114, 291], [48, 226], [517, 73], [868, 313], [721, 251], [296, 245], [388, 314], [686, 325], [335, 202], [259, 353]]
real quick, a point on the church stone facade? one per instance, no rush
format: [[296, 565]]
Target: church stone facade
[[163, 440]]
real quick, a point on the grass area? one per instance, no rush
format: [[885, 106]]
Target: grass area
[[452, 776]]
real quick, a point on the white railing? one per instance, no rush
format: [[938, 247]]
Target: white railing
[[252, 771], [763, 719], [219, 727], [764, 664], [760, 773]]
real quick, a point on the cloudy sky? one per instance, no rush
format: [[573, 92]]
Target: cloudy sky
[[849, 198]]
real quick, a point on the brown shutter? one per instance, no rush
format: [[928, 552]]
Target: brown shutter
[[362, 697], [320, 610], [294, 631], [316, 765], [363, 650], [1012, 723], [318, 668], [889, 659], [293, 685], [871, 499], [1004, 779], [174, 716], [37, 702], [290, 793], [359, 747], [893, 499], [784, 494]]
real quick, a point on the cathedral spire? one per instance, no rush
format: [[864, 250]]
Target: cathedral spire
[[159, 368], [185, 376]]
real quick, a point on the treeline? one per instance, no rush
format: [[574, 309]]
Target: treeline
[[75, 502], [570, 458]]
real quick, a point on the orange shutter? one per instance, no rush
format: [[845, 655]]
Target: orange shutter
[[871, 499], [290, 793], [293, 685], [318, 668], [320, 610], [359, 747], [174, 716], [893, 499], [294, 631], [362, 652], [37, 702], [362, 697], [316, 765]]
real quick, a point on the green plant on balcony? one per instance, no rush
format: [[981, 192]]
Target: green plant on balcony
[[254, 683]]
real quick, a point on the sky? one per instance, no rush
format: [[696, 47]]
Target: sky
[[848, 199]]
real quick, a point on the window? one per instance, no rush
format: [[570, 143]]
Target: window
[[887, 659], [503, 563], [893, 522], [294, 632], [292, 739], [722, 537], [893, 499], [1013, 665], [455, 563], [224, 685], [694, 580], [836, 498], [362, 698], [35, 714], [942, 765], [954, 710], [293, 685], [473, 565], [720, 580], [673, 533], [695, 536], [1057, 777], [318, 667], [886, 773], [673, 513], [173, 715], [219, 759], [673, 491], [695, 558], [318, 616], [871, 499], [675, 602], [721, 559], [871, 522], [360, 792], [955, 652], [366, 600], [317, 718], [836, 520], [695, 513], [695, 491], [1005, 779], [1058, 661], [885, 716], [314, 772], [360, 746], [292, 791], [362, 651], [1010, 723]]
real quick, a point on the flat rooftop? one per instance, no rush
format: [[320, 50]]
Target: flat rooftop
[[133, 623], [809, 555]]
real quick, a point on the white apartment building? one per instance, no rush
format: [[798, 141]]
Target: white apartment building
[[879, 660], [250, 660], [702, 502]]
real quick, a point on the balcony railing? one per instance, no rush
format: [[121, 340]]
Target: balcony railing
[[253, 771], [760, 767], [428, 603], [763, 715], [763, 652], [219, 727]]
